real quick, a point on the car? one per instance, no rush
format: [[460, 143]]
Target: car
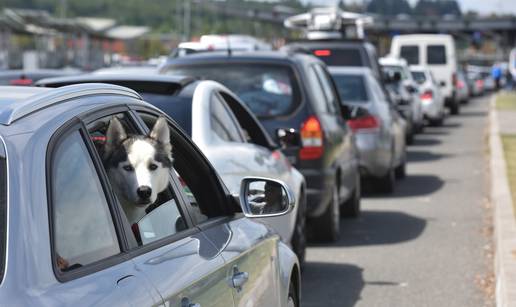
[[401, 100], [293, 96], [398, 69], [220, 125], [475, 82], [21, 77], [431, 96], [60, 212], [438, 53], [379, 129], [213, 42], [341, 53], [462, 87]]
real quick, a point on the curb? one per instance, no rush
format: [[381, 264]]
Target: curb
[[504, 217]]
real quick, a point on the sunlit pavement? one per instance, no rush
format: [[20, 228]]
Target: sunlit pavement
[[422, 246]]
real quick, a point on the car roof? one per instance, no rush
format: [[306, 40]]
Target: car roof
[[161, 84], [237, 56], [347, 70], [418, 68], [17, 102], [423, 37], [392, 61]]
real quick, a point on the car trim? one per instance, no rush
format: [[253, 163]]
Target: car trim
[[17, 110], [7, 219]]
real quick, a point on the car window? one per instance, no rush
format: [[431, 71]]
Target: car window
[[436, 54], [83, 228], [222, 121], [199, 195], [351, 88], [339, 56], [141, 182], [410, 53], [377, 90], [177, 107], [328, 89], [268, 90], [419, 76]]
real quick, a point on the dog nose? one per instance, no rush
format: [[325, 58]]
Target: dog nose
[[144, 192]]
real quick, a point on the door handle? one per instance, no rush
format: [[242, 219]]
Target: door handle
[[185, 302], [239, 279]]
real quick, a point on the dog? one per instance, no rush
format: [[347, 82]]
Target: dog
[[137, 165]]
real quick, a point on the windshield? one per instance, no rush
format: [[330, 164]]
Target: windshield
[[419, 76], [351, 88], [268, 90], [177, 107]]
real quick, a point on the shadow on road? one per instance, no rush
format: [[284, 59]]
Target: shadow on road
[[473, 114], [426, 142], [424, 156], [331, 284], [378, 227], [411, 186], [434, 131]]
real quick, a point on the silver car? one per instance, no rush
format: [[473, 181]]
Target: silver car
[[227, 133], [379, 129], [66, 241], [432, 98]]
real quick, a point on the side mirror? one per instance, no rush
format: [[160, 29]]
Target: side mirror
[[288, 137], [442, 84], [263, 197]]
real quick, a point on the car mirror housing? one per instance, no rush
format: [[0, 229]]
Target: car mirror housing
[[288, 137], [263, 197]]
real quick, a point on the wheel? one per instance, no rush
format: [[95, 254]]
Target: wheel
[[351, 207], [293, 299], [438, 121], [401, 170], [410, 138], [455, 108], [298, 241], [326, 228], [386, 183]]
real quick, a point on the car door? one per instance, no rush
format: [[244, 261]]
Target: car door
[[249, 248], [165, 246], [86, 238]]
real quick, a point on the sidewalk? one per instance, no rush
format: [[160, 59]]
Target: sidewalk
[[503, 122]]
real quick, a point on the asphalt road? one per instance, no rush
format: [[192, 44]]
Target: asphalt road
[[423, 245]]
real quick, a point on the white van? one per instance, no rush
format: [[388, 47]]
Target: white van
[[437, 52]]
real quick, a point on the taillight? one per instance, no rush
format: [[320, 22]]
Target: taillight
[[21, 81], [322, 52], [454, 78], [480, 83], [427, 95], [460, 84], [368, 122], [312, 139]]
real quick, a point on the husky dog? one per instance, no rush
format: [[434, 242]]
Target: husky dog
[[137, 165]]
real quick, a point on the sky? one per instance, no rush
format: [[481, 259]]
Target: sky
[[484, 7]]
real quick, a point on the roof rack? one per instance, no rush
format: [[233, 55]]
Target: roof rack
[[330, 23], [12, 112]]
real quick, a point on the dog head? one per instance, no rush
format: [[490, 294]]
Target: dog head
[[138, 166]]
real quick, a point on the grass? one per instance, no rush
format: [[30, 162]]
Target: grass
[[506, 101], [509, 148]]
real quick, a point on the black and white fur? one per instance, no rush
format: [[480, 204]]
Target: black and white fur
[[137, 165]]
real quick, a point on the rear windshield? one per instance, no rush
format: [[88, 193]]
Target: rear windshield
[[351, 88], [268, 90], [177, 107], [410, 54], [419, 76], [436, 54], [340, 57], [391, 69]]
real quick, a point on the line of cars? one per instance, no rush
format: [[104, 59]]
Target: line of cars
[[312, 122]]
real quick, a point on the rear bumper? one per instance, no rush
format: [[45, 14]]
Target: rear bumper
[[318, 190], [431, 109], [374, 156]]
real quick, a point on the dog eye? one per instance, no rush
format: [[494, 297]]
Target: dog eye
[[153, 166], [128, 168]]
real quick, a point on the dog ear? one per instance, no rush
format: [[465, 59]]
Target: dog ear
[[115, 134], [160, 132]]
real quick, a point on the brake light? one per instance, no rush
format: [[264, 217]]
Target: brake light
[[427, 95], [322, 52], [480, 83], [460, 84], [21, 81], [312, 139], [368, 122]]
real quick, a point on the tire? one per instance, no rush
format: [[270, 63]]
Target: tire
[[410, 138], [298, 240], [351, 207], [401, 170], [326, 228], [293, 298], [438, 121], [386, 183], [455, 108]]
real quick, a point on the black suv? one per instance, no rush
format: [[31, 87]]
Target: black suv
[[295, 99], [357, 53]]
